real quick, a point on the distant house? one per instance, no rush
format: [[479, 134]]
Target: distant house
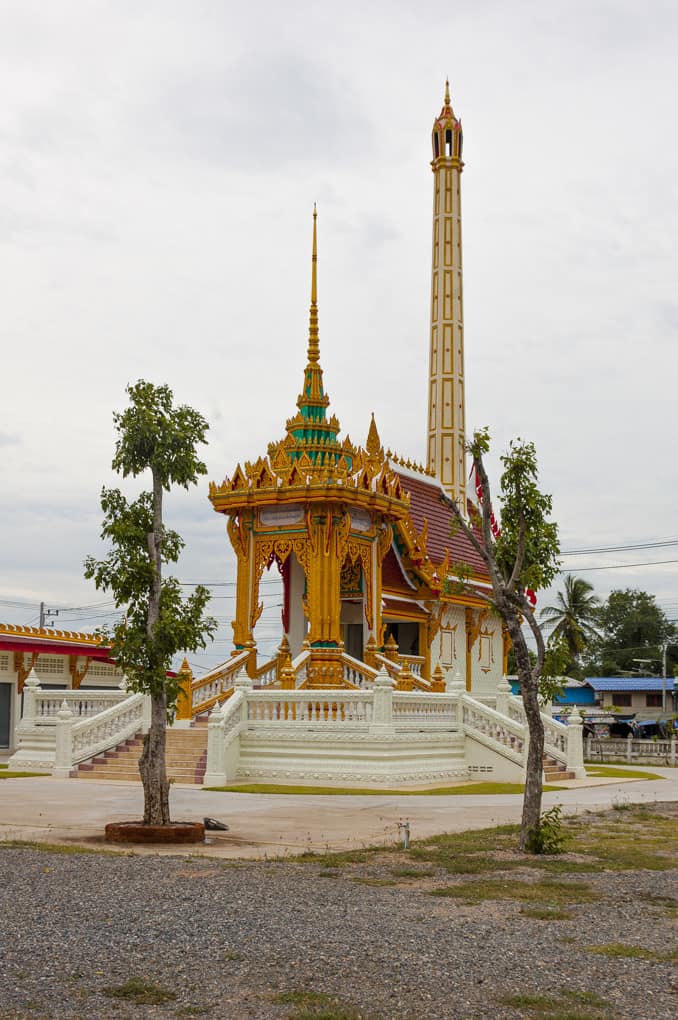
[[59, 659], [635, 694], [643, 695]]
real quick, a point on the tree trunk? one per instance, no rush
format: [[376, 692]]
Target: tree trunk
[[152, 765], [152, 762], [535, 760], [534, 766]]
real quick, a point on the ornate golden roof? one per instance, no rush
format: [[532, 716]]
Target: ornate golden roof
[[311, 457]]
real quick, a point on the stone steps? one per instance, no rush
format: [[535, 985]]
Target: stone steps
[[186, 758], [555, 771]]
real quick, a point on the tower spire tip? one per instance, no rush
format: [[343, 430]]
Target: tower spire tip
[[313, 341], [447, 92]]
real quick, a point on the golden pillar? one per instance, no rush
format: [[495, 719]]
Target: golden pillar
[[445, 448]]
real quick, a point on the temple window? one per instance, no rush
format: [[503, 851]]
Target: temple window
[[448, 143]]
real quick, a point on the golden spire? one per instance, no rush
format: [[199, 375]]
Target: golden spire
[[447, 92], [373, 444], [313, 343]]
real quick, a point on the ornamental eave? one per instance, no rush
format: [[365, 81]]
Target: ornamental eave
[[346, 495]]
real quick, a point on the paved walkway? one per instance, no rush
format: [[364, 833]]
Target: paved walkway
[[65, 810]]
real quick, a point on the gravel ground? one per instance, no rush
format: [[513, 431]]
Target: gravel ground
[[227, 938]]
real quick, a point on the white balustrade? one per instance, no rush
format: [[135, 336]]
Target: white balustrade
[[299, 665], [83, 704], [427, 711], [358, 673], [76, 741], [494, 728], [209, 688], [304, 708], [267, 673], [415, 663]]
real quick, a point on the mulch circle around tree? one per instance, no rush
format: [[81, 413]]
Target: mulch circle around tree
[[137, 832]]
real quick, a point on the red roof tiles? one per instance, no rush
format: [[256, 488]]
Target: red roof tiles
[[428, 502]]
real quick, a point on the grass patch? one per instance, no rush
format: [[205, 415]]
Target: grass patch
[[641, 838], [547, 891], [375, 881], [566, 1005], [629, 843], [610, 772], [412, 872], [56, 848], [140, 992], [546, 914], [311, 1005], [337, 860], [327, 791], [623, 950], [22, 775], [303, 998]]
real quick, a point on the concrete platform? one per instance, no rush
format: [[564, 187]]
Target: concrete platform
[[275, 825]]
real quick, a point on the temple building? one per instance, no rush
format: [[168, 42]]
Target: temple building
[[388, 674], [364, 538], [56, 659]]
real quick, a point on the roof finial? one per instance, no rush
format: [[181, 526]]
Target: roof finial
[[313, 343], [373, 444], [447, 92]]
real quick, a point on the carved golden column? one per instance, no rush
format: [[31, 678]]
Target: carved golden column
[[185, 695], [506, 648], [77, 675], [240, 532], [328, 532], [22, 670]]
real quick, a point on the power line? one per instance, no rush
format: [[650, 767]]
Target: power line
[[617, 566], [659, 544]]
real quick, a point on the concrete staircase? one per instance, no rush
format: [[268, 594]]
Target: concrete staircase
[[555, 771], [186, 758]]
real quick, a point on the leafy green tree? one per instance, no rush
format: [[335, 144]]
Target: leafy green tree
[[521, 556], [573, 620], [152, 435], [632, 626]]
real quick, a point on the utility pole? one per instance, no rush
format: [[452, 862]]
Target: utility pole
[[44, 613], [664, 650]]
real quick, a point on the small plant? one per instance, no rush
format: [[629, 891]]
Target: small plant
[[141, 992], [548, 837]]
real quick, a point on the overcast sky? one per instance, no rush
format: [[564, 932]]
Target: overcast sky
[[158, 166]]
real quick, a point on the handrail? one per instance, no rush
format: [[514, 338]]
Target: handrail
[[299, 665], [356, 672], [501, 732], [83, 704], [217, 685], [78, 741], [415, 662], [319, 707], [555, 733], [267, 673], [392, 668]]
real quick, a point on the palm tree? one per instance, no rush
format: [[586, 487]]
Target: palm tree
[[574, 616]]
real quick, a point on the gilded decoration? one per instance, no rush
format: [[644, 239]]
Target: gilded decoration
[[22, 670], [338, 507], [486, 649], [351, 580]]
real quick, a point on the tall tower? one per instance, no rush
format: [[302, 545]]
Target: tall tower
[[445, 455]]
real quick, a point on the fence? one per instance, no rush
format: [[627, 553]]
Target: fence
[[628, 749]]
